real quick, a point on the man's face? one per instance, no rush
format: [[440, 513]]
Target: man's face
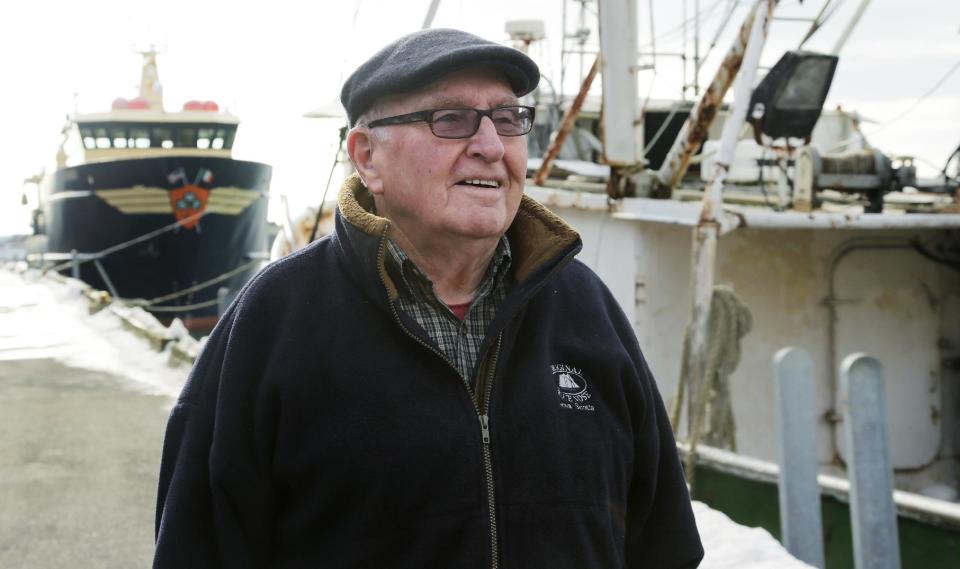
[[428, 185]]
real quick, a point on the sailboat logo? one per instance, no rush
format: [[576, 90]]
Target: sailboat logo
[[568, 384], [571, 385]]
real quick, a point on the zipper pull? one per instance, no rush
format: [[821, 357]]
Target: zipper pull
[[485, 428]]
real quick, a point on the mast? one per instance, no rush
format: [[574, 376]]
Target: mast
[[850, 26], [150, 88], [708, 230], [431, 12], [621, 126]]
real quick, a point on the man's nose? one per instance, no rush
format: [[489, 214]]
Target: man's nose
[[485, 143]]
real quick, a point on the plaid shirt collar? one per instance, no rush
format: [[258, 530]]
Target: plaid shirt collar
[[415, 282], [458, 340]]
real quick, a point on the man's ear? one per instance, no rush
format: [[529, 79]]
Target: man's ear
[[360, 148]]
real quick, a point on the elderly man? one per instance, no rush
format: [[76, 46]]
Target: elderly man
[[436, 384]]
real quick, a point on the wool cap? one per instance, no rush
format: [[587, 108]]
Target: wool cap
[[422, 57]]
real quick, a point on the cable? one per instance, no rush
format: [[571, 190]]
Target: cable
[[185, 308], [820, 20], [131, 242], [196, 287], [734, 4], [663, 127], [705, 12], [946, 165], [919, 101], [763, 189]]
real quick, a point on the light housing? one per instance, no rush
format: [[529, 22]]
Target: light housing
[[788, 101]]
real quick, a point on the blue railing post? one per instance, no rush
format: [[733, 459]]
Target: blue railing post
[[800, 516], [872, 513]]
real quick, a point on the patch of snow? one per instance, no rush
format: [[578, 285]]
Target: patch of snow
[[40, 318], [729, 545]]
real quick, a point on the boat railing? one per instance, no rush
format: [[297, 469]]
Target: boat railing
[[74, 259], [873, 514]]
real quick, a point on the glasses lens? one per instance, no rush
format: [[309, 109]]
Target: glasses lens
[[512, 121], [455, 123], [463, 123]]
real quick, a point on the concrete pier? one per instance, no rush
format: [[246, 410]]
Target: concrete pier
[[79, 456]]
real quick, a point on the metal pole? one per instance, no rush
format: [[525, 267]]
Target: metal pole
[[708, 228], [106, 278], [74, 265], [566, 126], [800, 516], [563, 50], [696, 48], [431, 12], [619, 128], [849, 29], [738, 114], [223, 300], [683, 41], [694, 131], [872, 513], [653, 37], [326, 189]]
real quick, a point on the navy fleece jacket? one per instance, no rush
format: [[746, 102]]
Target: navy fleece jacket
[[320, 427]]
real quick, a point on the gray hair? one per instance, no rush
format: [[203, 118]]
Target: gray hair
[[376, 111]]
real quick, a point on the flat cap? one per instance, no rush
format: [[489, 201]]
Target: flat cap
[[419, 58]]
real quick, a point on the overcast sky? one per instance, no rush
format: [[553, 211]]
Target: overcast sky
[[270, 62]]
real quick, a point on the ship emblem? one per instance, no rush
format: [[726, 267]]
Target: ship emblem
[[189, 200], [572, 387]]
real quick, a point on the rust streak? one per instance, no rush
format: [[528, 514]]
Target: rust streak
[[566, 125], [695, 130]]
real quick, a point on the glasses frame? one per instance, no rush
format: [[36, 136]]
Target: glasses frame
[[428, 114]]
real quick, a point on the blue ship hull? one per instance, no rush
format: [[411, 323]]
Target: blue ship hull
[[216, 206]]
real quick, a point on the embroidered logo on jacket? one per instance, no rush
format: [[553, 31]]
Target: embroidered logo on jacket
[[572, 388]]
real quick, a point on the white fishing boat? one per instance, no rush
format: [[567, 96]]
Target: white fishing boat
[[831, 252], [739, 226]]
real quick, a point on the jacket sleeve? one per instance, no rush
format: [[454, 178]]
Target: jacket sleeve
[[661, 532], [214, 497]]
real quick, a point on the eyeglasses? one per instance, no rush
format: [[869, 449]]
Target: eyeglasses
[[463, 123]]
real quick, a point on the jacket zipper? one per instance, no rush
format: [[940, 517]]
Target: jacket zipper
[[482, 408], [487, 458]]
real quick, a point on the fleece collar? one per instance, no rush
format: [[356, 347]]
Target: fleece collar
[[537, 236]]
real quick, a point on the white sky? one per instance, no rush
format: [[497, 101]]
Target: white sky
[[270, 62]]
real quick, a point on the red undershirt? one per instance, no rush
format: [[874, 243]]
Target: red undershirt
[[460, 310]]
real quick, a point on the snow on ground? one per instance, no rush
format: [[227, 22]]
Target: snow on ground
[[41, 318], [728, 545]]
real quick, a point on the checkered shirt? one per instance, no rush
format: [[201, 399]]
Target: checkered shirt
[[459, 340]]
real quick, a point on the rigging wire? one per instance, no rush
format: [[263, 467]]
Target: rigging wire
[[919, 101], [653, 36], [704, 14], [663, 127], [820, 20], [734, 4], [863, 136]]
